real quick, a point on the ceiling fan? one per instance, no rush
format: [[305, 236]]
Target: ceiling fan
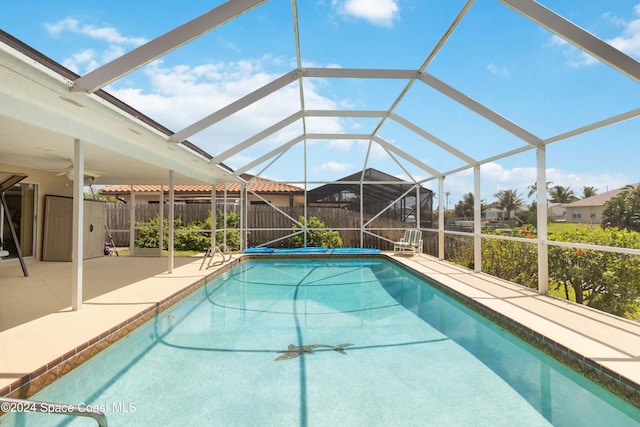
[[70, 172]]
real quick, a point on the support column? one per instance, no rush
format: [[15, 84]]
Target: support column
[[224, 217], [541, 196], [172, 215], [244, 215], [441, 218], [477, 221], [132, 221], [77, 250], [213, 217]]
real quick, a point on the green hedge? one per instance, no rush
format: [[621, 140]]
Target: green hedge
[[186, 238], [604, 280]]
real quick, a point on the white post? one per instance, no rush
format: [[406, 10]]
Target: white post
[[441, 218], [477, 222], [161, 225], [224, 217], [244, 212], [213, 217], [132, 221], [77, 250], [543, 248], [171, 217]]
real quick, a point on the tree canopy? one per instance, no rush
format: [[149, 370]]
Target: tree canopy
[[464, 208], [560, 194], [509, 200], [589, 192], [623, 211]]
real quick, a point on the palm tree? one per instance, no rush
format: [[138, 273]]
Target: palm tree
[[588, 192], [560, 194], [465, 207], [534, 188], [509, 200]]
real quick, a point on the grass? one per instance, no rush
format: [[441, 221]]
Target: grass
[[557, 227]]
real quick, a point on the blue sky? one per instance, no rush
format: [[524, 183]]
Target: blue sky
[[496, 56]]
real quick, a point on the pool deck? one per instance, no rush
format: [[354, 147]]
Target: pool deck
[[38, 329]]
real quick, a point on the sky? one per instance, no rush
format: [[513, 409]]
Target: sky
[[496, 56]]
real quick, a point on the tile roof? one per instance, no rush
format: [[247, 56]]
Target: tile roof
[[259, 185]]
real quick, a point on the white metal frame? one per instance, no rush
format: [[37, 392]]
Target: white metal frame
[[530, 9]]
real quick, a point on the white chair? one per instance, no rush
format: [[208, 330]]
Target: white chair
[[411, 242]]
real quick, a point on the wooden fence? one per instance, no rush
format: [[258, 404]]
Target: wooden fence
[[266, 224]]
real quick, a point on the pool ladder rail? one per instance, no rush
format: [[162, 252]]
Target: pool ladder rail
[[223, 250], [53, 408]]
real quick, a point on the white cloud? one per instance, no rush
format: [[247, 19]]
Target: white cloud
[[89, 59], [500, 71], [333, 167], [107, 34], [182, 95], [629, 40], [574, 57], [377, 12]]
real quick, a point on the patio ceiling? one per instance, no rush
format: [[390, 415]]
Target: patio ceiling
[[44, 107], [40, 118]]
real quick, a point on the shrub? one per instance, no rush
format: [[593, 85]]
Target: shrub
[[325, 238], [604, 280], [186, 237]]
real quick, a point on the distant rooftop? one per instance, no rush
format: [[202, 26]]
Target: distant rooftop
[[259, 185], [597, 200]]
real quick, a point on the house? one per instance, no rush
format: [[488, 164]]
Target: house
[[260, 191], [557, 212], [494, 214], [589, 210]]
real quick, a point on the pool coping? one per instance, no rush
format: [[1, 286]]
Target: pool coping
[[616, 383]]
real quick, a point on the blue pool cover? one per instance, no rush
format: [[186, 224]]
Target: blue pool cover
[[312, 250]]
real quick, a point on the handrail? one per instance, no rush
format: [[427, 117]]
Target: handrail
[[8, 405], [222, 250]]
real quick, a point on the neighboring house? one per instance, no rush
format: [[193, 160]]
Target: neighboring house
[[497, 214], [265, 190], [494, 214], [557, 212], [589, 210]]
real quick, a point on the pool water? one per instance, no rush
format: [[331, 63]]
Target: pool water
[[326, 342]]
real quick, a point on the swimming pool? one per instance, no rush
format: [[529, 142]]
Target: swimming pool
[[310, 342]]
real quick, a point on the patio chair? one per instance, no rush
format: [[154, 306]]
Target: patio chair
[[411, 242]]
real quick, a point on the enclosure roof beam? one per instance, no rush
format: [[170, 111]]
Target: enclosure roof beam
[[593, 126], [162, 45], [257, 137], [436, 49], [280, 149], [576, 36], [406, 156], [235, 106], [360, 73], [341, 136], [345, 113], [480, 109], [440, 143]]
